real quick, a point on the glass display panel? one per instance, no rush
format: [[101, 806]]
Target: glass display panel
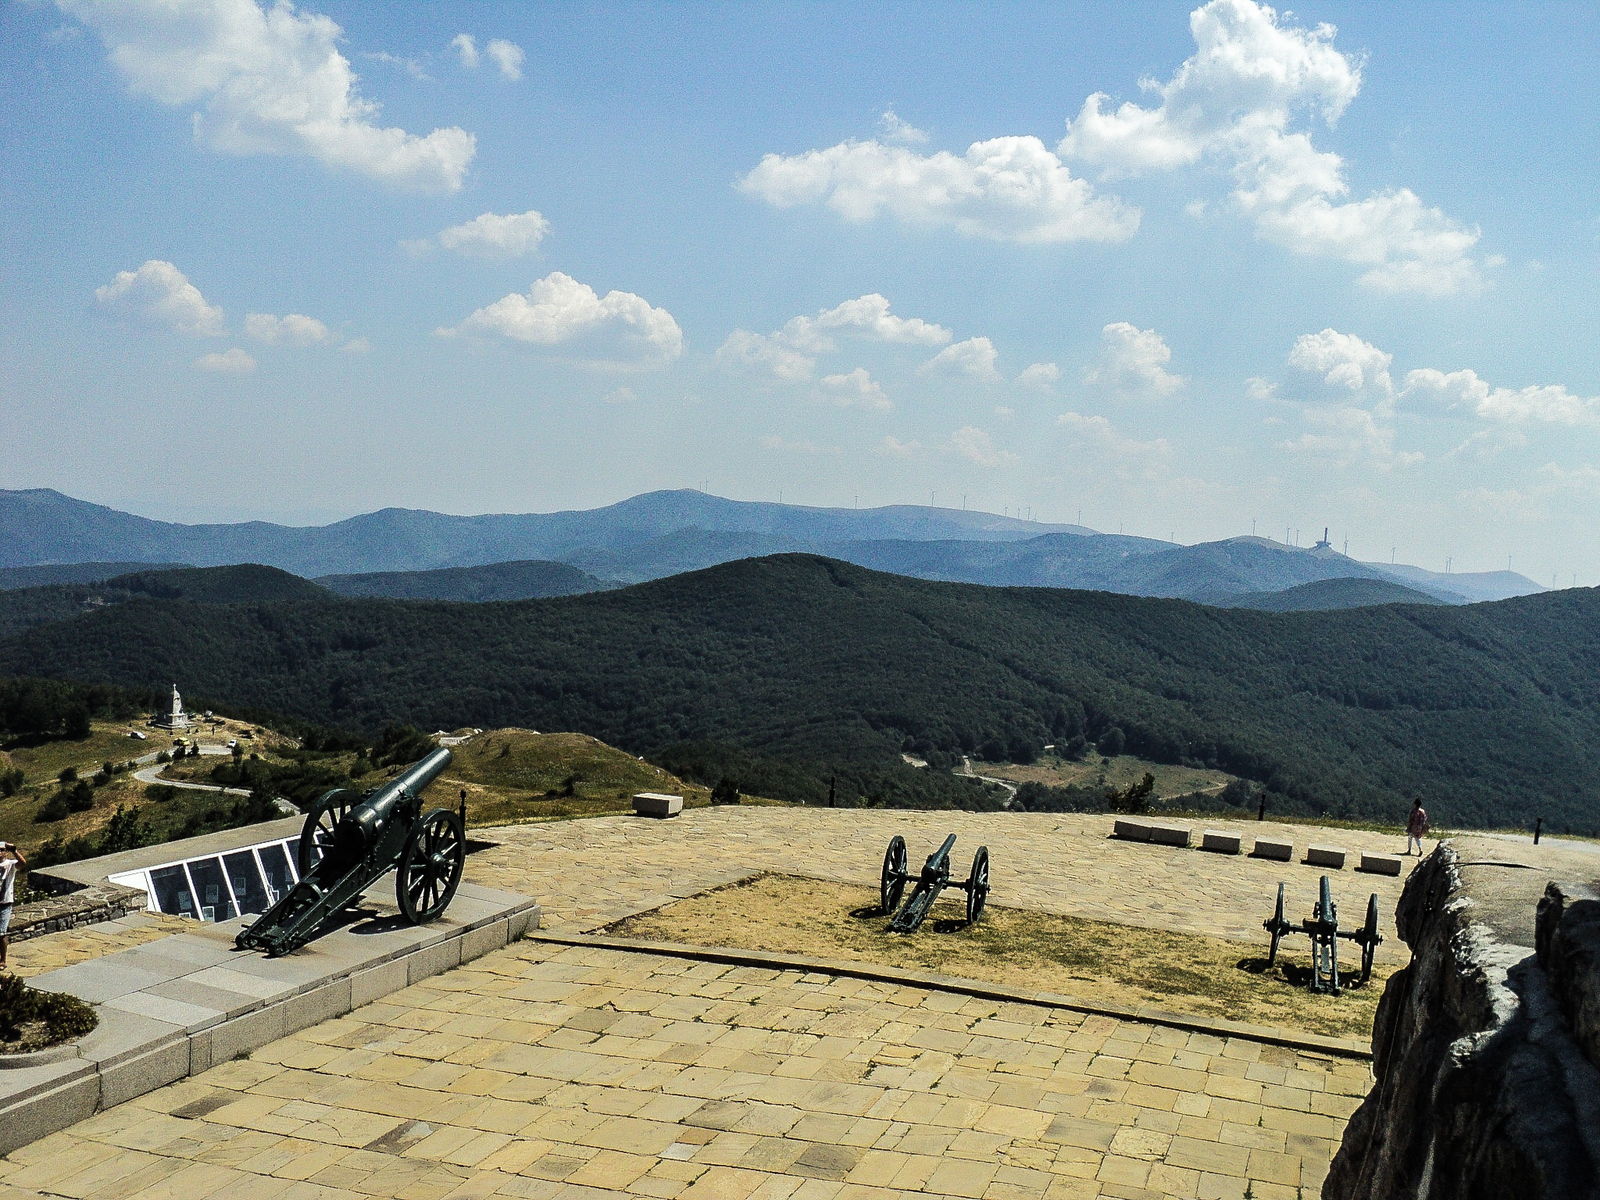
[[294, 854], [276, 864], [171, 888], [211, 891], [246, 879]]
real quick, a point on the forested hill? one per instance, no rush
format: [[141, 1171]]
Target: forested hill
[[1490, 711]]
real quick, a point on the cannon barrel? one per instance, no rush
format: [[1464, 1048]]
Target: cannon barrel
[[359, 828]]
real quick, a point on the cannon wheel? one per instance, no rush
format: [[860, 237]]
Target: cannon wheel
[[1276, 926], [978, 885], [1370, 938], [317, 832], [892, 884], [431, 865]]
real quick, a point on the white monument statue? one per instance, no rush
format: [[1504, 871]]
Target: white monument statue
[[177, 718]]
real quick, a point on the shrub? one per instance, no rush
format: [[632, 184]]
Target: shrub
[[726, 791], [64, 1016], [1135, 798], [163, 757], [11, 782], [160, 792], [53, 809], [68, 775]]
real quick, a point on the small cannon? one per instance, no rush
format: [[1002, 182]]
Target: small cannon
[[1323, 928], [934, 879], [349, 841]]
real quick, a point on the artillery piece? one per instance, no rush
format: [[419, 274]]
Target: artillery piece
[[935, 877], [1323, 929], [349, 841]]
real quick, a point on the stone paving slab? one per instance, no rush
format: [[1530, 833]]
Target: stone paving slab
[[49, 951], [556, 1071], [177, 1006]]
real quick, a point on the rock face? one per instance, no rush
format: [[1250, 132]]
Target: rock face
[[1482, 1088]]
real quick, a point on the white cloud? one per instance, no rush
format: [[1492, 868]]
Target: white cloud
[[774, 442], [1234, 100], [756, 351], [621, 395], [292, 330], [1040, 377], [1350, 435], [1004, 411], [491, 235], [790, 352], [464, 45], [410, 66], [358, 345], [895, 448], [1260, 390], [976, 446], [1551, 404], [1010, 189], [856, 387], [1344, 361], [1583, 479], [896, 130], [559, 310], [232, 362], [1133, 361], [973, 358], [159, 294], [267, 82], [507, 56], [1097, 441]]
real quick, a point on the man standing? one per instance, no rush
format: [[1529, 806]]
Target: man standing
[[10, 859], [1416, 826]]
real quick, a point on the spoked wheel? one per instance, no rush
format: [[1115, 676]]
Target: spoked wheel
[[978, 885], [1371, 938], [892, 884], [431, 865], [1276, 927], [317, 833]]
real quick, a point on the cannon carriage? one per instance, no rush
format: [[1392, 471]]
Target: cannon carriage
[[931, 881], [350, 841], [1323, 929]]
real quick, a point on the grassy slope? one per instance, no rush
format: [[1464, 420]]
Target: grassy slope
[[1492, 710]]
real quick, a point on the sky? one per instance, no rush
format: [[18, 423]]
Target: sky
[[1180, 272]]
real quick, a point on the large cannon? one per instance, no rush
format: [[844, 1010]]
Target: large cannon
[[1322, 926], [350, 841], [933, 879]]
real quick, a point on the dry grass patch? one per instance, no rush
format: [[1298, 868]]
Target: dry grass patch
[[1091, 960]]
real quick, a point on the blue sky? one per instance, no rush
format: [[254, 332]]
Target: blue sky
[[1188, 273]]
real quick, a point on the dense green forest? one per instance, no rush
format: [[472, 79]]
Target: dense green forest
[[801, 670]]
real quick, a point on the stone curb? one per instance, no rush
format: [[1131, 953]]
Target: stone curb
[[1146, 1014], [45, 1097]]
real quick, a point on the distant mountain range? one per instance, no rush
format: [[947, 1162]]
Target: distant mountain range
[[667, 533]]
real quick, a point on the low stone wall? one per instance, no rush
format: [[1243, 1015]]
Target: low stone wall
[[88, 905], [1482, 1088]]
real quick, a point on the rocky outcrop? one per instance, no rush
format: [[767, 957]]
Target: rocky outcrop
[[1481, 1087]]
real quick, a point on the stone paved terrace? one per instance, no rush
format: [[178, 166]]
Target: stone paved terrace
[[588, 873], [553, 1071], [71, 946]]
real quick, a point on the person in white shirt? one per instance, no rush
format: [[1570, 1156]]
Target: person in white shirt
[[10, 859]]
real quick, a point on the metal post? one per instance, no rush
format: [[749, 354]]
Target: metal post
[[1537, 825], [1261, 813]]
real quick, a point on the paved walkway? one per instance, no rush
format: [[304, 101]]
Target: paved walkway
[[588, 873], [72, 946], [539, 1071]]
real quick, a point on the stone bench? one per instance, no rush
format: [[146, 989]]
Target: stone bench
[[1220, 842], [1169, 835], [1326, 856], [657, 804], [1273, 849], [1131, 831], [1380, 864]]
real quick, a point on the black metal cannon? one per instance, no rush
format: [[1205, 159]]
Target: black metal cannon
[[1323, 929], [349, 841], [935, 877]]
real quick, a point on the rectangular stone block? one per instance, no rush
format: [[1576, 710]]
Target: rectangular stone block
[[43, 1114], [477, 942], [377, 982], [1220, 841], [1131, 831], [224, 1042], [1380, 864], [657, 804], [521, 922], [433, 960], [1326, 856], [1169, 835], [1273, 848], [145, 1072], [317, 1005]]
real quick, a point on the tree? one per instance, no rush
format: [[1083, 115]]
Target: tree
[[1135, 798], [726, 791]]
